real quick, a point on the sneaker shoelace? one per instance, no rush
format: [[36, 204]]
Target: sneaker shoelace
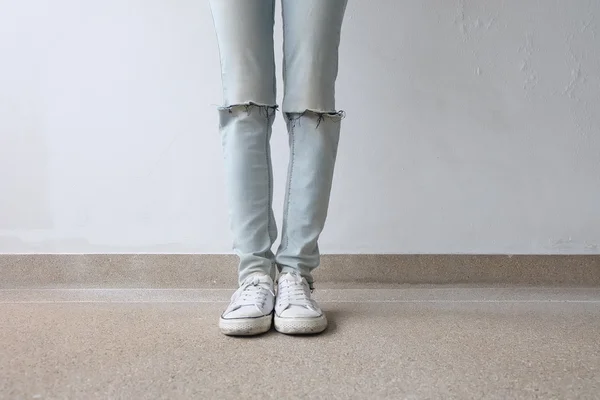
[[253, 292], [292, 291]]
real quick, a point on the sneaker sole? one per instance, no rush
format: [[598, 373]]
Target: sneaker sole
[[245, 326], [300, 326]]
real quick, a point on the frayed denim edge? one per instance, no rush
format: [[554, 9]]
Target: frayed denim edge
[[267, 109], [295, 117]]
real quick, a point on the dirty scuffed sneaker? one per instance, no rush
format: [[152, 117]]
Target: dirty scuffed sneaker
[[251, 309], [296, 312]]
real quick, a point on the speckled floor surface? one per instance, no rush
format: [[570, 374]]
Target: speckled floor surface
[[413, 343]]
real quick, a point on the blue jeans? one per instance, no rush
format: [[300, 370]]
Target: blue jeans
[[311, 40]]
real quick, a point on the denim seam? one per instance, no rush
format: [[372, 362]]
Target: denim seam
[[269, 179], [289, 189]]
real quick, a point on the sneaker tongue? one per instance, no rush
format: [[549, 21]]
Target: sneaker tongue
[[292, 278], [257, 279]]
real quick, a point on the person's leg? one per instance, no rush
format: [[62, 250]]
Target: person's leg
[[245, 37], [311, 41]]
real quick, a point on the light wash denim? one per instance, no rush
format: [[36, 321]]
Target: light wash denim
[[311, 40]]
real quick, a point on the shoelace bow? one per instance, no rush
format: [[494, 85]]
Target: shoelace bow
[[252, 293], [293, 292]]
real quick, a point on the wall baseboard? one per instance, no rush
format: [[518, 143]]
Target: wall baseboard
[[203, 270]]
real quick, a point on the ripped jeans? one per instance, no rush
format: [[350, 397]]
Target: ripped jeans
[[311, 41]]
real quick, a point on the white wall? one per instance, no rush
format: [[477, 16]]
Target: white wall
[[473, 127]]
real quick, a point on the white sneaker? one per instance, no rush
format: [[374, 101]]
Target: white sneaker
[[251, 309], [295, 311]]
